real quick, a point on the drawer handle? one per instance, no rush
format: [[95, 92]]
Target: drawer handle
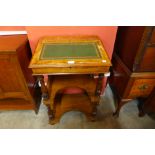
[[143, 87]]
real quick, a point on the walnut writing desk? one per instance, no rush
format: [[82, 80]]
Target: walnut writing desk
[[70, 61]]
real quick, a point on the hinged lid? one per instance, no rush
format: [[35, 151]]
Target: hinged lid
[[69, 51]]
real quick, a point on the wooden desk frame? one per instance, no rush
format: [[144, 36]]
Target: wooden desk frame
[[97, 66]]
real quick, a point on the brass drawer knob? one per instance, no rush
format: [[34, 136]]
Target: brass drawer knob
[[143, 87]]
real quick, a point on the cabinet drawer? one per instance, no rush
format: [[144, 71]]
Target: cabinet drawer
[[141, 88]]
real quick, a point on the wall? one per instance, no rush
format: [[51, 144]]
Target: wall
[[106, 33]]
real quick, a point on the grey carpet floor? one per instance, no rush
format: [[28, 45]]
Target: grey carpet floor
[[76, 120]]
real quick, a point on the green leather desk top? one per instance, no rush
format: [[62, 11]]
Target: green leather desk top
[[69, 51]]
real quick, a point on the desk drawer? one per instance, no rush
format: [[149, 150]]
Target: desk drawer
[[141, 88]]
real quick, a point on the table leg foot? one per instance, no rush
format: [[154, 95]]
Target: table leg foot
[[116, 114], [53, 121]]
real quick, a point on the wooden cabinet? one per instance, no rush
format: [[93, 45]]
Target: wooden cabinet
[[133, 71], [17, 86]]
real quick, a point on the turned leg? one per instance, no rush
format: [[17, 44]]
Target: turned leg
[[43, 87]]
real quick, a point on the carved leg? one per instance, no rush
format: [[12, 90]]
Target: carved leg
[[43, 87], [140, 107], [116, 113], [121, 102], [95, 98], [99, 85], [54, 121], [50, 113], [119, 106], [94, 112]]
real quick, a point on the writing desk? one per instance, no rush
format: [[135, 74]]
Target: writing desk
[[65, 57]]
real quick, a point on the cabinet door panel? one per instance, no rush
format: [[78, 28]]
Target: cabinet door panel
[[11, 83]]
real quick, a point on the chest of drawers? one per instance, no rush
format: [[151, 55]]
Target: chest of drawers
[[133, 71]]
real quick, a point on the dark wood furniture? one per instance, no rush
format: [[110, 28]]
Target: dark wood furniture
[[147, 106], [133, 71], [18, 89], [70, 62]]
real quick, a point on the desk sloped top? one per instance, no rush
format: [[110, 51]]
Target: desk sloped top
[[69, 54]]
